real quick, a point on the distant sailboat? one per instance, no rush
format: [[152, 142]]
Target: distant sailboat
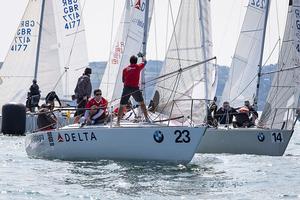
[[241, 86], [49, 46]]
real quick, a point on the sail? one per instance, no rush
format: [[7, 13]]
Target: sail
[[63, 51], [190, 44], [18, 67], [128, 42], [242, 80], [283, 97], [62, 48]]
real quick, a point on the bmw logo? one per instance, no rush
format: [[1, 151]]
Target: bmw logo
[[158, 136], [261, 137]]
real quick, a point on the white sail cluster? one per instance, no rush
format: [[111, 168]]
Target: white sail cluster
[[242, 80], [283, 97], [49, 45], [190, 44]]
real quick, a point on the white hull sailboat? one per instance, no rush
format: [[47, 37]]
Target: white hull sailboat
[[245, 141], [131, 141], [141, 142], [278, 120]]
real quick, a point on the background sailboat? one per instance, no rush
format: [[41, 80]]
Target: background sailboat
[[49, 46], [246, 140]]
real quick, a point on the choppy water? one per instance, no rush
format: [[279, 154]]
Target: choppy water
[[207, 177]]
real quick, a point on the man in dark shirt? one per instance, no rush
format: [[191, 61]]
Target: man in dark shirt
[[46, 120], [34, 95], [83, 92], [131, 80], [51, 96], [225, 114], [253, 115]]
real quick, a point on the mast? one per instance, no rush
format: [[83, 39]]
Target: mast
[[204, 54], [39, 40], [261, 57], [146, 19]]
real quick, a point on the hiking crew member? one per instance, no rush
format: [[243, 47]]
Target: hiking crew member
[[253, 115], [83, 92], [51, 96], [46, 120], [96, 109], [225, 114], [131, 80]]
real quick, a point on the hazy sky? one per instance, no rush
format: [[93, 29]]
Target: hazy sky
[[227, 17]]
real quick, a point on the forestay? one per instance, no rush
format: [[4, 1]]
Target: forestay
[[128, 42], [284, 94], [189, 45], [242, 80], [62, 47]]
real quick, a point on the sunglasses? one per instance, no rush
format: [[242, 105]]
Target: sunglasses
[[98, 94]]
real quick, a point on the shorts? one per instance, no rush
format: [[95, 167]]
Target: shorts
[[135, 92], [81, 103]]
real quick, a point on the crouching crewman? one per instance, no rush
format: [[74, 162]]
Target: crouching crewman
[[96, 109]]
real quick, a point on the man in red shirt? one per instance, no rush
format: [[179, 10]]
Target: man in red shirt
[[131, 80], [96, 109]]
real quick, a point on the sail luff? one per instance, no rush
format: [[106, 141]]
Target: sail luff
[[146, 17], [39, 39], [261, 56]]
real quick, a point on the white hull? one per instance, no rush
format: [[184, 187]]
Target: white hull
[[117, 143], [245, 141]]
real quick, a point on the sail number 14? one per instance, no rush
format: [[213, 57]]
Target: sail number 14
[[277, 138]]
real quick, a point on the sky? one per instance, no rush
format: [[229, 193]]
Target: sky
[[227, 17]]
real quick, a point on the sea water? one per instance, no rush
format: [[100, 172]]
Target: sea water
[[208, 176]]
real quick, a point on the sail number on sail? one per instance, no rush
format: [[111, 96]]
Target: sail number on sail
[[258, 3], [71, 13], [22, 39], [297, 15]]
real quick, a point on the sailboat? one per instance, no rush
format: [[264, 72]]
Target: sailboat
[[49, 46], [131, 141], [243, 84]]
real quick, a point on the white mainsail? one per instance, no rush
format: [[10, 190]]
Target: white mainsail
[[283, 97], [62, 45], [18, 67], [128, 42], [242, 80], [190, 44]]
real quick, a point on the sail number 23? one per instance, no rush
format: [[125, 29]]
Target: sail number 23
[[182, 136], [258, 3]]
